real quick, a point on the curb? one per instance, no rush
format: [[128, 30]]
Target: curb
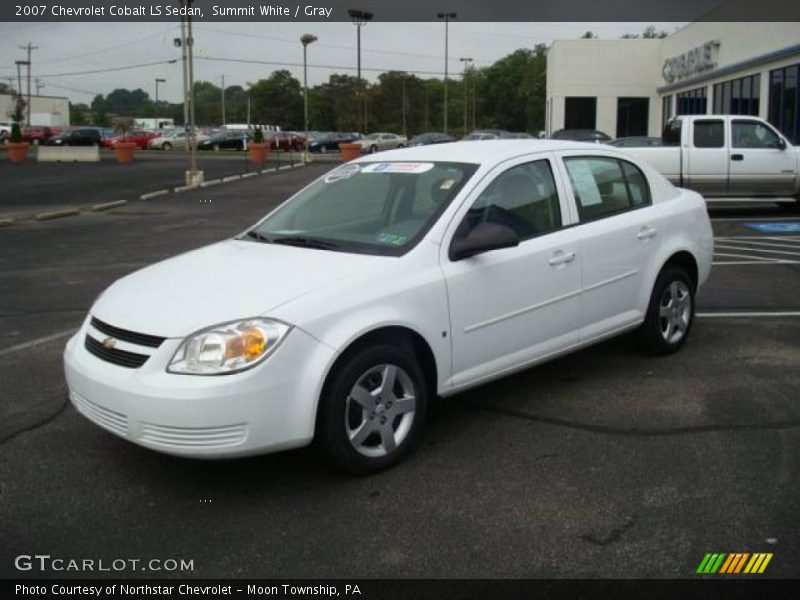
[[57, 214], [231, 178], [154, 194], [107, 205], [210, 182], [6, 222]]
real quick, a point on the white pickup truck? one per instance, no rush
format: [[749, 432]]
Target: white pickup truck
[[727, 156]]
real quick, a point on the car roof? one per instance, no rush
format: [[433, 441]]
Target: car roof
[[479, 152]]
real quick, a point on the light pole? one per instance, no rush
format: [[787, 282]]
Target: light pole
[[39, 85], [466, 61], [405, 132], [360, 18], [446, 17], [223, 100], [306, 39], [158, 80]]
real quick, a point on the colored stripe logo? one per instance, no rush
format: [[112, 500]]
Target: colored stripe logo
[[734, 563]]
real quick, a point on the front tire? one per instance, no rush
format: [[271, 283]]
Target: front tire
[[372, 409], [166, 146], [670, 313], [373, 149]]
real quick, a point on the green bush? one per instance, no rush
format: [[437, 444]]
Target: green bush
[[16, 133], [258, 136]]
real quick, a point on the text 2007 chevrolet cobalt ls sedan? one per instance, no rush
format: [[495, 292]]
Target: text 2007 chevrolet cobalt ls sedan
[[338, 317]]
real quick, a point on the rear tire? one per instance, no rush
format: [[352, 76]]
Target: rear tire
[[670, 313], [166, 146], [364, 426], [373, 149]]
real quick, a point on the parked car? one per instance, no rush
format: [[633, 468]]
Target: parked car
[[727, 155], [5, 130], [140, 137], [290, 141], [376, 142], [582, 135], [36, 134], [485, 134], [77, 136], [387, 282], [330, 142], [175, 139], [640, 141], [518, 135], [226, 140], [424, 139]]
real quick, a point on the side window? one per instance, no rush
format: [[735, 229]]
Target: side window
[[672, 133], [523, 198], [709, 134], [606, 186], [752, 134]]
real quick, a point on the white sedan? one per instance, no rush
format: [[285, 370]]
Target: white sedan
[[343, 313], [377, 142]]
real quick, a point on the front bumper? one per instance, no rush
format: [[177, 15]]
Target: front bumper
[[267, 408]]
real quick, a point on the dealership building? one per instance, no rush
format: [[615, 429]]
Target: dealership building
[[631, 87]]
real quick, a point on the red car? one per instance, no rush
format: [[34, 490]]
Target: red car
[[37, 135], [285, 140], [140, 137]]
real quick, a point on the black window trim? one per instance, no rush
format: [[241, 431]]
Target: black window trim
[[615, 213]]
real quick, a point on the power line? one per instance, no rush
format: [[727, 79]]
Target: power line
[[123, 68]]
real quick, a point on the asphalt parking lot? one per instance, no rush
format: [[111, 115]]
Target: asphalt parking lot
[[605, 463]]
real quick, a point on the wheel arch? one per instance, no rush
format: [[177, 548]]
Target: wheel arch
[[685, 260], [394, 334]]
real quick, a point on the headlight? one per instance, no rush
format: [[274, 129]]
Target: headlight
[[228, 347]]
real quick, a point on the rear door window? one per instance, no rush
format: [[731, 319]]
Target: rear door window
[[709, 134]]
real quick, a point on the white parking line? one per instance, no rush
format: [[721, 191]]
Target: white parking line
[[755, 249], [745, 314], [755, 219], [36, 342]]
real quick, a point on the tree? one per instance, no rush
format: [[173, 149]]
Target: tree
[[77, 113], [589, 35], [6, 89], [278, 100], [649, 33]]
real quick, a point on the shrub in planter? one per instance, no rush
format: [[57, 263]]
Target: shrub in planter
[[257, 150], [17, 149]]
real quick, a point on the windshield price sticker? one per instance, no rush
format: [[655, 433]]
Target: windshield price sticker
[[413, 168]]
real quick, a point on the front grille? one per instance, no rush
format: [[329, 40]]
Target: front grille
[[140, 339], [122, 358], [194, 437], [110, 419]]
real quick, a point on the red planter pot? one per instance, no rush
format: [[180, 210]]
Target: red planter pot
[[17, 151], [124, 151], [350, 151], [258, 153]]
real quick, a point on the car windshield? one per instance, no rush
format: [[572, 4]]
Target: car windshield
[[368, 207]]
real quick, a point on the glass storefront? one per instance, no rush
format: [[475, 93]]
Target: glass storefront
[[784, 101], [692, 102], [738, 96]]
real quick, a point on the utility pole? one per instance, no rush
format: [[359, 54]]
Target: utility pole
[[19, 64], [39, 85], [446, 17], [360, 18], [405, 132], [223, 100], [29, 47], [306, 39], [196, 177], [466, 61]]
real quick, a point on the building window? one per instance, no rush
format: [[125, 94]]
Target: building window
[[784, 101], [692, 102], [738, 96], [666, 110], [632, 116], [580, 112]]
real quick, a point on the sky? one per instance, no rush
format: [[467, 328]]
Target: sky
[[66, 50]]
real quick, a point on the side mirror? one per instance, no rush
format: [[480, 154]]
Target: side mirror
[[483, 238], [781, 145]]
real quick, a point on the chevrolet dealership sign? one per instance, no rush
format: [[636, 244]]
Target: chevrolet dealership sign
[[692, 62]]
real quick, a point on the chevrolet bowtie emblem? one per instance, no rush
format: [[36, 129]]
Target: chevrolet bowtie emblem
[[109, 343]]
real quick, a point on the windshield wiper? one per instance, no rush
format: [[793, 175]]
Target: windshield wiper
[[305, 242], [257, 236]]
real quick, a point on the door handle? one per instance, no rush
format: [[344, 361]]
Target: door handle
[[737, 157], [647, 232], [561, 258]]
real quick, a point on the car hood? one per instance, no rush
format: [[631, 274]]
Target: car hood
[[226, 281]]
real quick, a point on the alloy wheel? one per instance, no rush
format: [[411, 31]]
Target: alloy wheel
[[675, 312]]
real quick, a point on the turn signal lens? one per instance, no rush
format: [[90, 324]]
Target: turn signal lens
[[228, 347]]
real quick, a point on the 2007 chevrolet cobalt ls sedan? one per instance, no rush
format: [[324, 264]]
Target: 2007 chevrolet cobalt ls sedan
[[339, 317]]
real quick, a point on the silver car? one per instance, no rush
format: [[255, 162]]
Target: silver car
[[176, 139], [375, 142]]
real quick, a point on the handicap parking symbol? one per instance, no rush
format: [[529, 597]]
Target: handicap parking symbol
[[777, 227]]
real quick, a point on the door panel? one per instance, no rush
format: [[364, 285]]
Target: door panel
[[706, 165], [758, 166]]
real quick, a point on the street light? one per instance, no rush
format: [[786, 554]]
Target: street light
[[446, 17], [306, 39], [158, 80], [466, 61], [360, 18]]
